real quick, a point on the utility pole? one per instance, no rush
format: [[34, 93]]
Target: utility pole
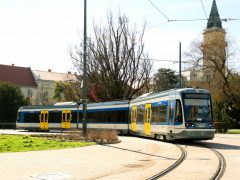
[[180, 65], [78, 105], [84, 120]]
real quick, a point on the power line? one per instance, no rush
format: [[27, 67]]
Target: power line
[[163, 60], [230, 19], [175, 20], [223, 19], [204, 9], [189, 20], [172, 20], [158, 9], [150, 59]]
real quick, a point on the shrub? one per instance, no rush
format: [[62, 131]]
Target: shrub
[[11, 98]]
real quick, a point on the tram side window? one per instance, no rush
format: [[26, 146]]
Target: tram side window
[[31, 117], [100, 117], [155, 114], [162, 113], [74, 117], [178, 115], [122, 116], [92, 117], [140, 115], [55, 117], [110, 117]]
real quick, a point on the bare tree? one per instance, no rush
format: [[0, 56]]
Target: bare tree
[[118, 66], [212, 57]]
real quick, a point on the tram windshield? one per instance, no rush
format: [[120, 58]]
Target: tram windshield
[[197, 108]]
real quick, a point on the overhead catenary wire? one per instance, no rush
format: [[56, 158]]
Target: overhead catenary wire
[[204, 9], [158, 10], [165, 60], [197, 19], [189, 20], [160, 60]]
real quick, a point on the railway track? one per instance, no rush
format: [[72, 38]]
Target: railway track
[[221, 162], [216, 176], [221, 165], [173, 166]]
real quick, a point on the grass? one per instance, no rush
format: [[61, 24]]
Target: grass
[[19, 143], [233, 131]]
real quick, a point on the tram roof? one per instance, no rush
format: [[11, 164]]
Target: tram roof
[[74, 105], [169, 92]]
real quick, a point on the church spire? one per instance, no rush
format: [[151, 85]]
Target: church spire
[[214, 18]]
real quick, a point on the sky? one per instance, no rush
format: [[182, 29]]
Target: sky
[[39, 33]]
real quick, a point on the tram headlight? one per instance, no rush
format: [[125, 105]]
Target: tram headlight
[[189, 125], [211, 125]]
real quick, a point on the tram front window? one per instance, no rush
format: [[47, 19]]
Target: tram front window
[[197, 110]]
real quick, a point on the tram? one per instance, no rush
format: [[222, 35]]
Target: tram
[[106, 115], [169, 115], [175, 114]]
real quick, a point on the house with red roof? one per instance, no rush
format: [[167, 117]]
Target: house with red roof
[[21, 76], [37, 85]]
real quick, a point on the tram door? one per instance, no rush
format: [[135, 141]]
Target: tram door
[[66, 119], [147, 118], [134, 119], [44, 120]]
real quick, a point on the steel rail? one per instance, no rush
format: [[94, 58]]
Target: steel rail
[[221, 165], [221, 162], [173, 166]]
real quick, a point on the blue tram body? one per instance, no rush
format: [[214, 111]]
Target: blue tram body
[[174, 114], [169, 115], [106, 115]]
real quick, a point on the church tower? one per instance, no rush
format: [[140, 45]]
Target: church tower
[[213, 46]]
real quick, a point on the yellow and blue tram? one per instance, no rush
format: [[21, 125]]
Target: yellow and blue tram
[[106, 115], [169, 115], [174, 114]]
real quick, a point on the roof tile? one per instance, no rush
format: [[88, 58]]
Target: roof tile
[[17, 75]]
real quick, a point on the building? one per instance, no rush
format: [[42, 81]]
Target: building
[[20, 76], [36, 85], [213, 48], [214, 45], [191, 75], [46, 81]]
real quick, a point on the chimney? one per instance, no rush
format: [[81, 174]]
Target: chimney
[[49, 70], [13, 64]]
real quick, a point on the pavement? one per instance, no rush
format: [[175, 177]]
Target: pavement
[[133, 158], [229, 146]]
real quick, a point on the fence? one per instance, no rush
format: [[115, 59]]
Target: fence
[[7, 125]]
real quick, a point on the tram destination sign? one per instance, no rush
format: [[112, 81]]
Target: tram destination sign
[[196, 96]]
